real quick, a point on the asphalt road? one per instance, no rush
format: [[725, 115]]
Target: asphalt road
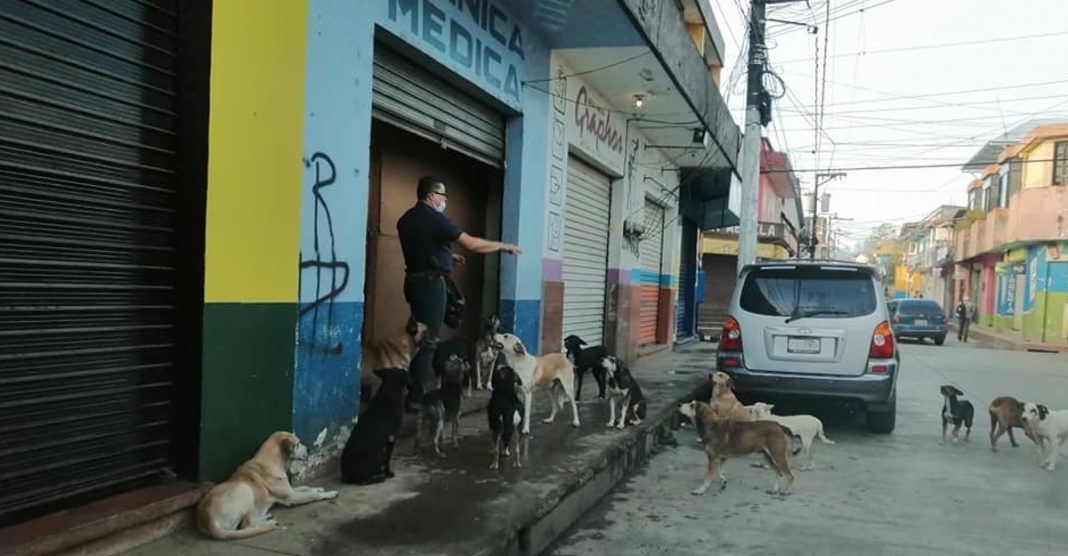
[[901, 494]]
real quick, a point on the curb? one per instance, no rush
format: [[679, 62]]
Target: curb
[[537, 531]]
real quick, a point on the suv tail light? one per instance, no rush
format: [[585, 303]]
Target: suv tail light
[[731, 339], [882, 342]]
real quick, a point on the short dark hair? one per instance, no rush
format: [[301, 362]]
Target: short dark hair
[[428, 185]]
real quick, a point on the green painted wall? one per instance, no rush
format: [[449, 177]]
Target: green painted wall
[[247, 390], [1053, 302]]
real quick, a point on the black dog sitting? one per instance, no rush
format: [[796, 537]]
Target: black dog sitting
[[622, 386], [367, 454], [586, 360], [957, 411], [505, 413]]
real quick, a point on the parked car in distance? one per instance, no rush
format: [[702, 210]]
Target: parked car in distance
[[812, 329], [919, 319]]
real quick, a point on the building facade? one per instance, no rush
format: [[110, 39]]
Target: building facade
[[1011, 241], [205, 237]]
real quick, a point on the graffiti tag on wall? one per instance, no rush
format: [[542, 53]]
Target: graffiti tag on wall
[[331, 275]]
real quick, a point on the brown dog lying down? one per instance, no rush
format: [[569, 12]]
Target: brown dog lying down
[[723, 438], [1006, 413], [239, 507]]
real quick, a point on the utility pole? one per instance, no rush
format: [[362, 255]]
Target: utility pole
[[815, 207], [757, 115]]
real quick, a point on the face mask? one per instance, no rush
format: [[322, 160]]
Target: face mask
[[441, 207]]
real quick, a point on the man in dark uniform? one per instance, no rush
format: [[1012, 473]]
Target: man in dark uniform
[[426, 237]]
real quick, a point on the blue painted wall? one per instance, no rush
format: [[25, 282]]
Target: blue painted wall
[[334, 195]]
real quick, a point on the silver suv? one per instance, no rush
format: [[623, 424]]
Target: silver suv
[[813, 329]]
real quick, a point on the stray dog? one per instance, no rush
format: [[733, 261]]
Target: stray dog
[[1006, 413], [505, 415], [456, 347], [724, 398], [394, 352], [369, 449], [1047, 426], [622, 386], [239, 507], [442, 406], [486, 354], [553, 372], [957, 411], [587, 360], [806, 427], [725, 438]]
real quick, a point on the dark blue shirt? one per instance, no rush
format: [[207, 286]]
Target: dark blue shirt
[[426, 237]]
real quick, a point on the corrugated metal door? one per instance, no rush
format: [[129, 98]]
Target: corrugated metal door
[[586, 214], [651, 255], [410, 97], [88, 175]]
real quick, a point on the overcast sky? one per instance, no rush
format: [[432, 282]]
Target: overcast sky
[[868, 113]]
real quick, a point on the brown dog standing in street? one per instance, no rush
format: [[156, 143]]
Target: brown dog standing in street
[[724, 438], [1006, 413], [239, 507]]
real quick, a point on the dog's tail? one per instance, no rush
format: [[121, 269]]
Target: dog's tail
[[993, 416], [210, 527], [823, 437]]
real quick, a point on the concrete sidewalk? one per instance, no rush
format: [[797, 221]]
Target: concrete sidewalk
[[1007, 340], [456, 505]]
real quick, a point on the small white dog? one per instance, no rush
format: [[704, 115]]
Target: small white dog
[[1046, 426], [806, 427]]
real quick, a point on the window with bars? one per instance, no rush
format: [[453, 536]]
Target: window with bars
[[1060, 163]]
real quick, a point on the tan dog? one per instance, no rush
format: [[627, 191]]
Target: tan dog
[[1006, 413], [394, 352], [723, 397], [725, 438], [239, 507], [553, 372]]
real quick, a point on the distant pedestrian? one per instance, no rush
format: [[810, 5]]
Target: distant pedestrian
[[964, 320]]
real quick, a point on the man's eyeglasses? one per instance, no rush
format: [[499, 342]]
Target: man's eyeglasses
[[442, 193]]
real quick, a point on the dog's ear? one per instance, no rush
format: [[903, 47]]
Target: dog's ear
[[582, 342], [956, 391], [1043, 411], [519, 349], [730, 383], [288, 443]]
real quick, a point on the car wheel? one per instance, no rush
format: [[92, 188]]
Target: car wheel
[[940, 340], [882, 422]]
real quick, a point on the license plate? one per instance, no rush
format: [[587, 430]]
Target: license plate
[[921, 322], [803, 345]]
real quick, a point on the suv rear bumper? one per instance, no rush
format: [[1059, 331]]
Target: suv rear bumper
[[874, 390]]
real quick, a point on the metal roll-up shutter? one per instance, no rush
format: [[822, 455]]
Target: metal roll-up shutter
[[410, 97], [586, 217], [88, 124], [651, 250]]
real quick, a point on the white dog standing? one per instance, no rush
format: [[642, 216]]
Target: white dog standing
[[807, 427], [1046, 426], [552, 372]]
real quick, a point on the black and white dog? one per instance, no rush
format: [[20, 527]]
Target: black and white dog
[[586, 360], [486, 354], [955, 410], [505, 415], [442, 405], [622, 387]]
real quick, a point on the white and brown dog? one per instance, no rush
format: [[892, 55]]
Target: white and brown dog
[[805, 427], [1049, 427], [239, 507], [552, 372]]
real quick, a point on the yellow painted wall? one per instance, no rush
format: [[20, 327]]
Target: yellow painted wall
[[254, 159], [1039, 174], [719, 246]]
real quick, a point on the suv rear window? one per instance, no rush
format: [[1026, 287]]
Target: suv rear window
[[913, 307], [786, 292]]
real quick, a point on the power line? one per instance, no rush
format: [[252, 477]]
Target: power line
[[977, 104], [897, 97], [901, 167], [936, 46], [589, 71]]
